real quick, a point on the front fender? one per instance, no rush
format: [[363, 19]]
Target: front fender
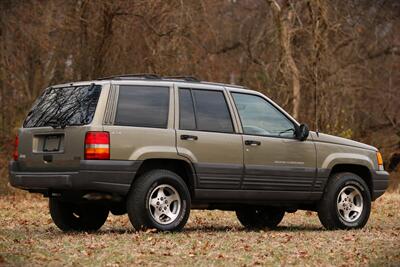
[[347, 158]]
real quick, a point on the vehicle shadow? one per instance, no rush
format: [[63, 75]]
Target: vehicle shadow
[[53, 232], [308, 228], [216, 229]]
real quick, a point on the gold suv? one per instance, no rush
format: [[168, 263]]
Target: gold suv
[[155, 147]]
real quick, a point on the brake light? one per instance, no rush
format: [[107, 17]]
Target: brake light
[[16, 143], [97, 145]]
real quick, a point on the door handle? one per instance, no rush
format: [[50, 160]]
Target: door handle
[[189, 137], [252, 143], [47, 158]]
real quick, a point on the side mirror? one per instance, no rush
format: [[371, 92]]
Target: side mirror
[[302, 132]]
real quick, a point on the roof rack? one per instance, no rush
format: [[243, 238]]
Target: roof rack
[[185, 78], [225, 84], [133, 76], [150, 76]]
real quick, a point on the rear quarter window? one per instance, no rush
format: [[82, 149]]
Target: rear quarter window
[[142, 106]]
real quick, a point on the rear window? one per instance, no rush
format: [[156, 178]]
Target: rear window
[[62, 106], [142, 106]]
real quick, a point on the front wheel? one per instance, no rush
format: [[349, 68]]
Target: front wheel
[[159, 199], [260, 217], [77, 216], [346, 203]]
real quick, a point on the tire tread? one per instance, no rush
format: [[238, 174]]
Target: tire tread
[[327, 214], [136, 200]]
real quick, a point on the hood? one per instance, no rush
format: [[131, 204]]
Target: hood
[[326, 138]]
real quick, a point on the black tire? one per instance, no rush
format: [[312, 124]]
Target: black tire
[[331, 211], [77, 217], [260, 217], [142, 214]]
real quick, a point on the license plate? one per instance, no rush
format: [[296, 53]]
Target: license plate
[[51, 143]]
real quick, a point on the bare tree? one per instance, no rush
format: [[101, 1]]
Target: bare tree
[[340, 58], [285, 21]]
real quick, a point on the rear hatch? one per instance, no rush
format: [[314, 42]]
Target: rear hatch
[[53, 133]]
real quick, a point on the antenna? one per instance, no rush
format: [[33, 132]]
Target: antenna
[[316, 97]]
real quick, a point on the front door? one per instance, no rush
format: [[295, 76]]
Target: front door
[[275, 161], [206, 136]]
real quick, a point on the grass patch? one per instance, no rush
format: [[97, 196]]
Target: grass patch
[[28, 237]]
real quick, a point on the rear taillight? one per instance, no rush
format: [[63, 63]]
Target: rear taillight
[[97, 145], [16, 143]]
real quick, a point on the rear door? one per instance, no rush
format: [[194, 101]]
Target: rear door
[[143, 124], [53, 133], [206, 135]]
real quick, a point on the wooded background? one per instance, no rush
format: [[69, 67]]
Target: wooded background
[[339, 56]]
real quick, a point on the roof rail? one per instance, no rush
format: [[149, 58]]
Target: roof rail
[[150, 76], [133, 76], [225, 84], [185, 78]]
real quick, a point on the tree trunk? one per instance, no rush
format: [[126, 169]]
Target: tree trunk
[[284, 18]]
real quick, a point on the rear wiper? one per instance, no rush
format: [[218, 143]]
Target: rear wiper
[[55, 123], [62, 123]]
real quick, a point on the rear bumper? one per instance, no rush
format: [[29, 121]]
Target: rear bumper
[[111, 176], [380, 181]]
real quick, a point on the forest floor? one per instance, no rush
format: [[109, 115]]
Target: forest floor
[[29, 237]]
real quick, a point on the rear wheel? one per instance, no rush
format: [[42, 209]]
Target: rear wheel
[[346, 203], [77, 217], [260, 217], [159, 199]]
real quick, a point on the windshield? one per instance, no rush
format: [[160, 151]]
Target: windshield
[[62, 106]]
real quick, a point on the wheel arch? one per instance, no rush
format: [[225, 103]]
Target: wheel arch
[[358, 169], [181, 167]]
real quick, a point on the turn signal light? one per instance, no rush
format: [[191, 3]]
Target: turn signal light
[[97, 145], [380, 160]]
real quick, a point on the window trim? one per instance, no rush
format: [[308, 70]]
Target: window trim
[[167, 123], [195, 110], [269, 102]]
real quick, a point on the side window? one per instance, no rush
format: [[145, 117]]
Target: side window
[[212, 112], [142, 106], [187, 119], [259, 117], [204, 110]]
